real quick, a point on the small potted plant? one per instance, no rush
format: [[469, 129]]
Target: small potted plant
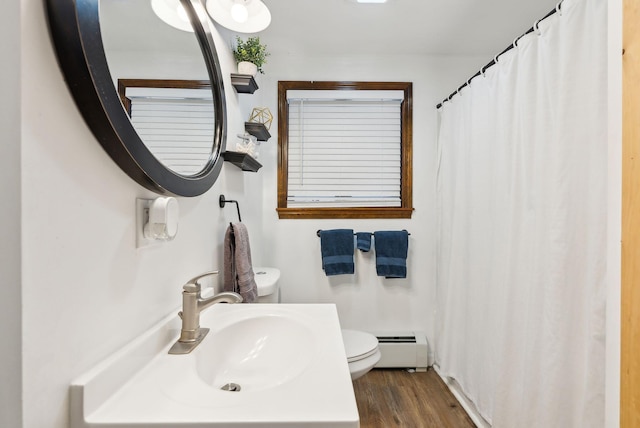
[[250, 55]]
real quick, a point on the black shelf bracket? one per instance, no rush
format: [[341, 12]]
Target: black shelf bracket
[[242, 160], [244, 83], [258, 130]]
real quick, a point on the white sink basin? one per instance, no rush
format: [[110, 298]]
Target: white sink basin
[[256, 353], [259, 366]]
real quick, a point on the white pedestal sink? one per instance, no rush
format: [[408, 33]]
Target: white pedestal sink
[[260, 366]]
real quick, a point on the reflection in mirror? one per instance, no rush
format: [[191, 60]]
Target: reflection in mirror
[[173, 118], [140, 46], [77, 36]]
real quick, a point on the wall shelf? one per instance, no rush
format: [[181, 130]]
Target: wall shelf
[[258, 130], [242, 160], [244, 83]]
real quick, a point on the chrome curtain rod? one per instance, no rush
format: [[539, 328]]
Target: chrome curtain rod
[[507, 49]]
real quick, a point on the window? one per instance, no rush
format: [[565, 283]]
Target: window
[[174, 119], [344, 150]]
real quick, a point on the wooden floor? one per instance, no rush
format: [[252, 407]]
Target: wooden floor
[[397, 398]]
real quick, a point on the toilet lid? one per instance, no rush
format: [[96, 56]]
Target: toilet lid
[[266, 279], [358, 344]]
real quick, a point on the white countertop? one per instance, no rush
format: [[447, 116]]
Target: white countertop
[[312, 388]]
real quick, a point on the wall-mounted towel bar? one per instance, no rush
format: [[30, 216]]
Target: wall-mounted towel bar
[[223, 201], [320, 230]]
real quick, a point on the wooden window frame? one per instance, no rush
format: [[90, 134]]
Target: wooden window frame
[[123, 84], [405, 210]]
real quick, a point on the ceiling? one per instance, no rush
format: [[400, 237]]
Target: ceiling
[[344, 27], [436, 27]]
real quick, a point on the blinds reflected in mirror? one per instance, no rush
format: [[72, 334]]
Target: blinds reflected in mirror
[[344, 152], [176, 125]]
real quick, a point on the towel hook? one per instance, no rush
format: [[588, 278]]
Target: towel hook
[[222, 201]]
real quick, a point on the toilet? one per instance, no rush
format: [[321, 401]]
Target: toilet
[[361, 348], [362, 351], [267, 282]]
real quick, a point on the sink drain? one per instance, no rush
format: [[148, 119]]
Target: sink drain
[[234, 387]]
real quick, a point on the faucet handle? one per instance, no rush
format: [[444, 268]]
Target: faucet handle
[[195, 279], [192, 287]]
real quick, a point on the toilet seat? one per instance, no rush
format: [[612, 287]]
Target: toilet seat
[[362, 352], [359, 345]]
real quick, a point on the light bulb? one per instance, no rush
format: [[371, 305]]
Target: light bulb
[[182, 13], [241, 16], [239, 12], [173, 13]]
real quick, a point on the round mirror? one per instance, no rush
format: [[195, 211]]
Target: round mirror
[[171, 155], [162, 81]]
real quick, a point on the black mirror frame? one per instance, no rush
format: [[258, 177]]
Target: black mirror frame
[[75, 29]]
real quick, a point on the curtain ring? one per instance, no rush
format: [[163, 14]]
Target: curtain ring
[[559, 9], [515, 42], [479, 73], [482, 72], [536, 28], [495, 59]]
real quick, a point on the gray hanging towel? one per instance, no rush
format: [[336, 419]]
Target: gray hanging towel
[[238, 269]]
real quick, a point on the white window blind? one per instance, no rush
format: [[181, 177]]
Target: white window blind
[[177, 126], [346, 151]]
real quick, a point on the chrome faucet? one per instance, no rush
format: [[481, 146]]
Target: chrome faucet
[[192, 304]]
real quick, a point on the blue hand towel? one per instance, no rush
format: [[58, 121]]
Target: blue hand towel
[[391, 253], [363, 241], [337, 249]]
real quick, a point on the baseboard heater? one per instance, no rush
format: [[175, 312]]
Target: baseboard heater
[[403, 350]]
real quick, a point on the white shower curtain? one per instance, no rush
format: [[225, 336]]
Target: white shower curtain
[[522, 221]]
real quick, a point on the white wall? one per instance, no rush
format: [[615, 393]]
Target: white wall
[[86, 289], [364, 300], [10, 248]]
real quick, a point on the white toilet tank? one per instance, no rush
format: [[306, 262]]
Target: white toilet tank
[[267, 281]]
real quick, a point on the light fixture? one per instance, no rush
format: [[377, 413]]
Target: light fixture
[[242, 16], [173, 13], [239, 12]]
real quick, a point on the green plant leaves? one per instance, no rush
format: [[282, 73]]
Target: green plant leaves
[[251, 50]]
